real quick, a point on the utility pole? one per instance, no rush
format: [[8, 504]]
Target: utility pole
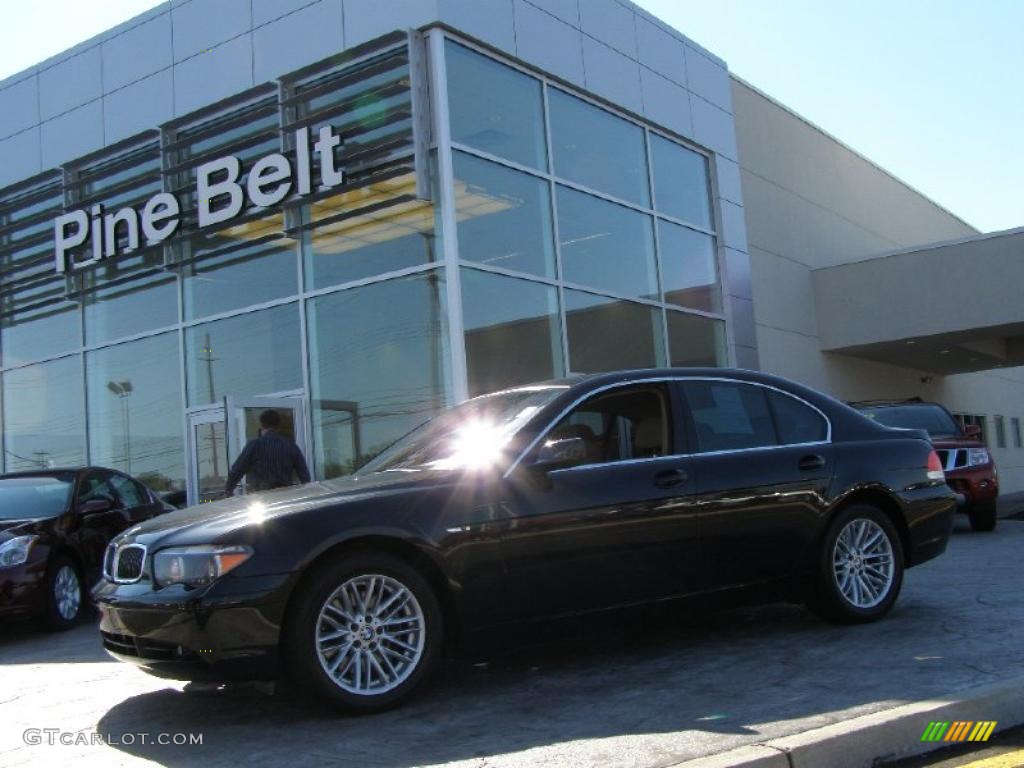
[[206, 356], [123, 390]]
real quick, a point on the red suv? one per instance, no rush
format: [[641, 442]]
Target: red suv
[[970, 470]]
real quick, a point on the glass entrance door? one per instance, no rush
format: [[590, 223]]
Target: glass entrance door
[[208, 455], [218, 433]]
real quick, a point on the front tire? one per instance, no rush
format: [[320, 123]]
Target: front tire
[[983, 517], [365, 632], [860, 569], [65, 598]]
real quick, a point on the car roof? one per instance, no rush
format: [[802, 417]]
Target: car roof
[[893, 403], [56, 471], [655, 373]]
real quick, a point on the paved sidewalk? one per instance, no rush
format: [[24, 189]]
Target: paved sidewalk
[[633, 692]]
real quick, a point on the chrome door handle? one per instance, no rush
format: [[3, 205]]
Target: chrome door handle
[[811, 461], [670, 477]]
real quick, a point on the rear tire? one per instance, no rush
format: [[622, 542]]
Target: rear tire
[[860, 568], [364, 633], [983, 517], [65, 597]]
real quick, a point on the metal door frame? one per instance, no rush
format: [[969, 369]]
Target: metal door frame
[[194, 417], [227, 412]]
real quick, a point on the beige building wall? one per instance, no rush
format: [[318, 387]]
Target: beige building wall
[[811, 202]]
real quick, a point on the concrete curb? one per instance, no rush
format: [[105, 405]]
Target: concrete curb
[[891, 734]]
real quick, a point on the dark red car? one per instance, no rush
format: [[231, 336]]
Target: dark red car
[[970, 470], [54, 528]]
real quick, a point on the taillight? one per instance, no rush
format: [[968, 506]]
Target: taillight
[[935, 467]]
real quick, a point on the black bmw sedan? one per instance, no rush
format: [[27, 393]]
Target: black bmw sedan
[[536, 502]]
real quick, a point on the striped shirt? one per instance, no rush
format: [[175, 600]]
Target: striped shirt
[[268, 461]]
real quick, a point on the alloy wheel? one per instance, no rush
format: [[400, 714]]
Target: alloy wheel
[[863, 564], [67, 592], [370, 634]]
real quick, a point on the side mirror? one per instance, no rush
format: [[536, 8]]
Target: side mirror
[[96, 506], [561, 453], [973, 431]]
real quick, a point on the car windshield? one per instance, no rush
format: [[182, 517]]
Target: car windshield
[[23, 498], [471, 435], [932, 418]]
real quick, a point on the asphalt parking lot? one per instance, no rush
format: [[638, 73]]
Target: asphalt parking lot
[[634, 690]]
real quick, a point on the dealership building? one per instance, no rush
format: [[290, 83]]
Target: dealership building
[[360, 212]]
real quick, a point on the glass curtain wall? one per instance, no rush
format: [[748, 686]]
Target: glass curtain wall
[[133, 397], [586, 240], [337, 296], [583, 241]]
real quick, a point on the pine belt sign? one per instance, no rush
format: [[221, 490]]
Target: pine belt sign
[[270, 180], [346, 123]]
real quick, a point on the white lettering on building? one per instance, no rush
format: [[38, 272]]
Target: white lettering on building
[[94, 235]]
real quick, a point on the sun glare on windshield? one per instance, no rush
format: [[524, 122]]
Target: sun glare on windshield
[[479, 443]]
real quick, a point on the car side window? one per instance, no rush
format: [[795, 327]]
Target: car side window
[[796, 422], [729, 416], [127, 490], [631, 423], [96, 486]]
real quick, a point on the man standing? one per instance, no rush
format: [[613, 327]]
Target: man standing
[[268, 461]]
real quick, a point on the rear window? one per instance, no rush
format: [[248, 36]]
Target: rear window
[[729, 416], [796, 421], [932, 418]]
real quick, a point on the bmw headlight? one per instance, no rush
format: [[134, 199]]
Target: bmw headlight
[[15, 551], [977, 456], [197, 566]]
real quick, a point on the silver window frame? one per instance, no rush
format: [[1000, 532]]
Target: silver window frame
[[668, 379]]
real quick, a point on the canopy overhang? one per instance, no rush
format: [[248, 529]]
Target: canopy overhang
[[947, 308]]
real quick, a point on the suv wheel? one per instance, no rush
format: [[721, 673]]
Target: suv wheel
[[860, 571], [365, 633], [983, 517]]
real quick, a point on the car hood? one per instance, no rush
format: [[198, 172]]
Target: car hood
[[951, 441], [219, 517], [10, 529]]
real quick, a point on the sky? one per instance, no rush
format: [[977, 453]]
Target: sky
[[928, 89]]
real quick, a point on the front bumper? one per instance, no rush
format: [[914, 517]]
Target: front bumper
[[228, 631], [22, 589], [973, 486]]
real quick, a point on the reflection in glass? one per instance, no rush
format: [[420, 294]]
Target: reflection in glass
[[133, 394], [610, 334], [680, 182], [378, 367], [241, 272], [695, 341], [123, 309], [44, 416], [512, 331], [211, 447], [606, 246], [688, 273], [254, 354], [494, 108], [504, 217], [40, 331], [394, 237], [597, 149]]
